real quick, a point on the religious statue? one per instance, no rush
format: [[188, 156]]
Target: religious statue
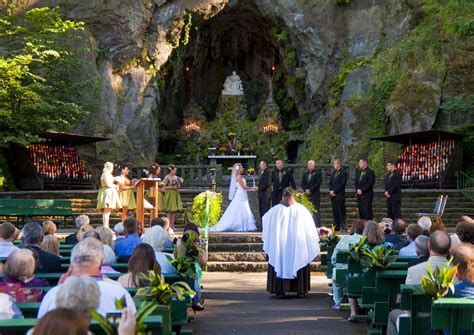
[[233, 85]]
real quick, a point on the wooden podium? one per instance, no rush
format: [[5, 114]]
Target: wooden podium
[[152, 184]]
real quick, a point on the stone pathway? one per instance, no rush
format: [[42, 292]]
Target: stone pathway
[[237, 303]]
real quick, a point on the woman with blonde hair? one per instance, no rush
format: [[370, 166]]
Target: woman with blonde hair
[[108, 198], [107, 238], [127, 197], [50, 242], [171, 200], [81, 231]]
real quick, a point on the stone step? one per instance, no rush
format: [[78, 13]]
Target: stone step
[[247, 266], [235, 247], [237, 257]]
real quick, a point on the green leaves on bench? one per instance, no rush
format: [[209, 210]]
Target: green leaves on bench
[[376, 258], [438, 282]]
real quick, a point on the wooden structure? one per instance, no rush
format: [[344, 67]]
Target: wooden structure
[[152, 185]]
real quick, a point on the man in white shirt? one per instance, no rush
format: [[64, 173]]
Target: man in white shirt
[[86, 260], [7, 235], [413, 231]]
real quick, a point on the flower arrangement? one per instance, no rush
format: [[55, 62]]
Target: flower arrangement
[[223, 150], [438, 282], [232, 134], [251, 171], [303, 199], [199, 208], [328, 236]]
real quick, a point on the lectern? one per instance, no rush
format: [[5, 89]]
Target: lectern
[[152, 184]]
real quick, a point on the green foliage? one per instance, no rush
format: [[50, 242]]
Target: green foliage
[[342, 2], [332, 239], [43, 85], [339, 81], [437, 283], [323, 145], [468, 146], [156, 290], [377, 258], [215, 208], [143, 311], [185, 266], [305, 201], [355, 251]]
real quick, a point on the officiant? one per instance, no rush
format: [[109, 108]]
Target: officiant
[[291, 242]]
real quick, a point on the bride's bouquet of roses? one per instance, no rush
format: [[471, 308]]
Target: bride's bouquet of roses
[[176, 182]]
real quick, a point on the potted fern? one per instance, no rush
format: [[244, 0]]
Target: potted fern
[[438, 282]]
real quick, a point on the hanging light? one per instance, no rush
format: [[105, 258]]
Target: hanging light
[[192, 126], [271, 127]]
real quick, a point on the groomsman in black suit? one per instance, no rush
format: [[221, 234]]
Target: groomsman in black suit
[[364, 186], [310, 184], [281, 179], [264, 189], [393, 191], [337, 191]]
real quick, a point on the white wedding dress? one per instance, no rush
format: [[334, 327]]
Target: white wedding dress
[[238, 216]]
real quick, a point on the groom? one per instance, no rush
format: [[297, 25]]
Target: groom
[[264, 189]]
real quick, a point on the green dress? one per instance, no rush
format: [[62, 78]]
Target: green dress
[[108, 197], [127, 197], [171, 199]]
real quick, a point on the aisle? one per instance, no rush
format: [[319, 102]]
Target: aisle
[[236, 303]]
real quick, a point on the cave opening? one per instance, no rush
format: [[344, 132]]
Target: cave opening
[[239, 38]]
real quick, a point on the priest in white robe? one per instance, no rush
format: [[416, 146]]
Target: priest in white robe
[[291, 242]]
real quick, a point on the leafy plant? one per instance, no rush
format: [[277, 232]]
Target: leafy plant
[[330, 239], [304, 200], [355, 250], [437, 283], [376, 258], [185, 266], [199, 208], [158, 291], [143, 311]]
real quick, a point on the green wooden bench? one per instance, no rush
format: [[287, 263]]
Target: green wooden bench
[[454, 315], [24, 208], [329, 265], [154, 324], [419, 305]]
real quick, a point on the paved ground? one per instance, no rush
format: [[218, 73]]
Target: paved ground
[[237, 303]]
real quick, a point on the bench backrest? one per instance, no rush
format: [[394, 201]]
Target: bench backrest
[[35, 203]]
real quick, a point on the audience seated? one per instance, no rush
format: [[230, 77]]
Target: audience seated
[[141, 261], [50, 244], [119, 232], [7, 236], [62, 321], [413, 231], [463, 257], [19, 280], [83, 230], [125, 247], [165, 224], [357, 228], [81, 220], [397, 234], [8, 308], [32, 237], [107, 238], [86, 259], [425, 223], [156, 237], [422, 250], [465, 230]]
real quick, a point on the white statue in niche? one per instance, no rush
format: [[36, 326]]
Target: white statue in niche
[[233, 85]]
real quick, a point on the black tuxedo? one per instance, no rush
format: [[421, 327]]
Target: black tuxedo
[[393, 185], [265, 192], [312, 182], [48, 261], [71, 239], [281, 180], [364, 181], [337, 183]]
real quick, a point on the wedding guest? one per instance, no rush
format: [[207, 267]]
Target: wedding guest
[[425, 223], [337, 191], [108, 198], [413, 231], [142, 260], [171, 200], [155, 173], [311, 182], [8, 308], [291, 241], [19, 280], [81, 220], [86, 259], [463, 257], [127, 197], [264, 189], [7, 236], [165, 224], [83, 230], [465, 230], [125, 247], [79, 293], [364, 186], [393, 191], [422, 250], [50, 244], [397, 234], [156, 236], [106, 236], [281, 179], [62, 321], [32, 237], [119, 232]]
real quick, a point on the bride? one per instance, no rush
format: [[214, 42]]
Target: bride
[[237, 216]]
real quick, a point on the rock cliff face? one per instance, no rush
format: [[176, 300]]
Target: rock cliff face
[[136, 41]]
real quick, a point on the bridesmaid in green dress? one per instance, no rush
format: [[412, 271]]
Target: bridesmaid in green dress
[[127, 197], [108, 198], [171, 200]]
